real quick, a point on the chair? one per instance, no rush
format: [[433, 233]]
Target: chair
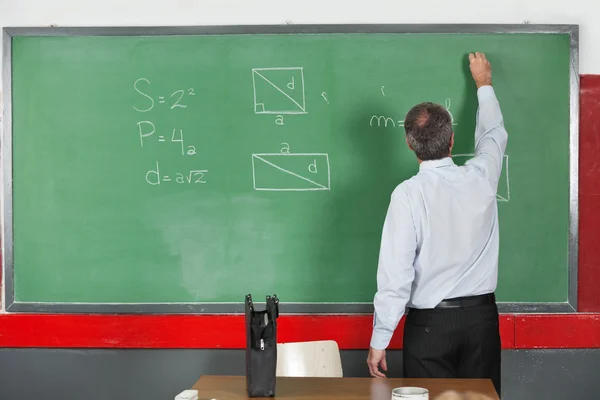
[[320, 359]]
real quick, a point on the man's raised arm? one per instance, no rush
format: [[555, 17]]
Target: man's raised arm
[[490, 134]]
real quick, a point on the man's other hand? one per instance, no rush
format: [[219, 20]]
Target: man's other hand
[[375, 360], [480, 69]]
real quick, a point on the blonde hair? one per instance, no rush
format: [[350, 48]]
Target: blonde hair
[[453, 395]]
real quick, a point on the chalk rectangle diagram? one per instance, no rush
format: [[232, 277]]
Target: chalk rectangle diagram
[[291, 172], [503, 193], [279, 90]]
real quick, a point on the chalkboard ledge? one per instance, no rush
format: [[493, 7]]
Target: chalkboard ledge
[[238, 308]]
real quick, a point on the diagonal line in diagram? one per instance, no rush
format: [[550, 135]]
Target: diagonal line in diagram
[[296, 84], [290, 172], [311, 163]]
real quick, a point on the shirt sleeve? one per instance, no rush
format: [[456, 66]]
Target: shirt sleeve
[[490, 135], [395, 272]]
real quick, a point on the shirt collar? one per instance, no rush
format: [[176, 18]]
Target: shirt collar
[[432, 164]]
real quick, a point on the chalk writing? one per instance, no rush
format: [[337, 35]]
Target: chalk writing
[[147, 129], [154, 176], [279, 90], [285, 171], [148, 132], [175, 99], [447, 104], [136, 85], [382, 120], [387, 121]]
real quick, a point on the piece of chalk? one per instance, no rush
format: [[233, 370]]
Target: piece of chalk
[[189, 394]]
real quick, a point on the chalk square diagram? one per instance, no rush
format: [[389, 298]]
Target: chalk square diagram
[[279, 90], [291, 172], [503, 193]]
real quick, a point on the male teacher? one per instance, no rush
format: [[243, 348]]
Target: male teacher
[[439, 248]]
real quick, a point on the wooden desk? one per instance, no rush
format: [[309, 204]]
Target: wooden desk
[[234, 387]]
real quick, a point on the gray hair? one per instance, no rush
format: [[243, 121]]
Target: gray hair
[[428, 129]]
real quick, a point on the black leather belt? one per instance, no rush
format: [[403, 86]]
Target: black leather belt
[[469, 301]]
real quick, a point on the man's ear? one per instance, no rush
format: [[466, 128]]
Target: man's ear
[[451, 142], [408, 144]]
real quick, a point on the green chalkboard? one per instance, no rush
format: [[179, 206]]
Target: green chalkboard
[[193, 169]]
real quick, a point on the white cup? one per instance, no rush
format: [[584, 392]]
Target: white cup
[[410, 392]]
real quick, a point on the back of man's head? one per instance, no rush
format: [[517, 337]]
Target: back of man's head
[[428, 129]]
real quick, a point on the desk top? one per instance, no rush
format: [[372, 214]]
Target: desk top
[[234, 387]]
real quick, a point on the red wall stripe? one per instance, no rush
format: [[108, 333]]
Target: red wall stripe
[[350, 331], [572, 331], [589, 194]]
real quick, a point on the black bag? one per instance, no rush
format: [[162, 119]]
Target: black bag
[[261, 347]]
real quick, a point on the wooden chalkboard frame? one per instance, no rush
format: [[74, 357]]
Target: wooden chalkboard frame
[[8, 292]]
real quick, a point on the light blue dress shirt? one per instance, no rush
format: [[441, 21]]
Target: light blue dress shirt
[[440, 235]]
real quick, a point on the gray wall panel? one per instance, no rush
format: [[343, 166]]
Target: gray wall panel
[[57, 374]]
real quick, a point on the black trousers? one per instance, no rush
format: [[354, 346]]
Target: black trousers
[[453, 343]]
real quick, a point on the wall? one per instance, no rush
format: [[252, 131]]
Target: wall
[[62, 358], [161, 374], [225, 12]]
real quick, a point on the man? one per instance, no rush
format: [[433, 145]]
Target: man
[[439, 248]]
